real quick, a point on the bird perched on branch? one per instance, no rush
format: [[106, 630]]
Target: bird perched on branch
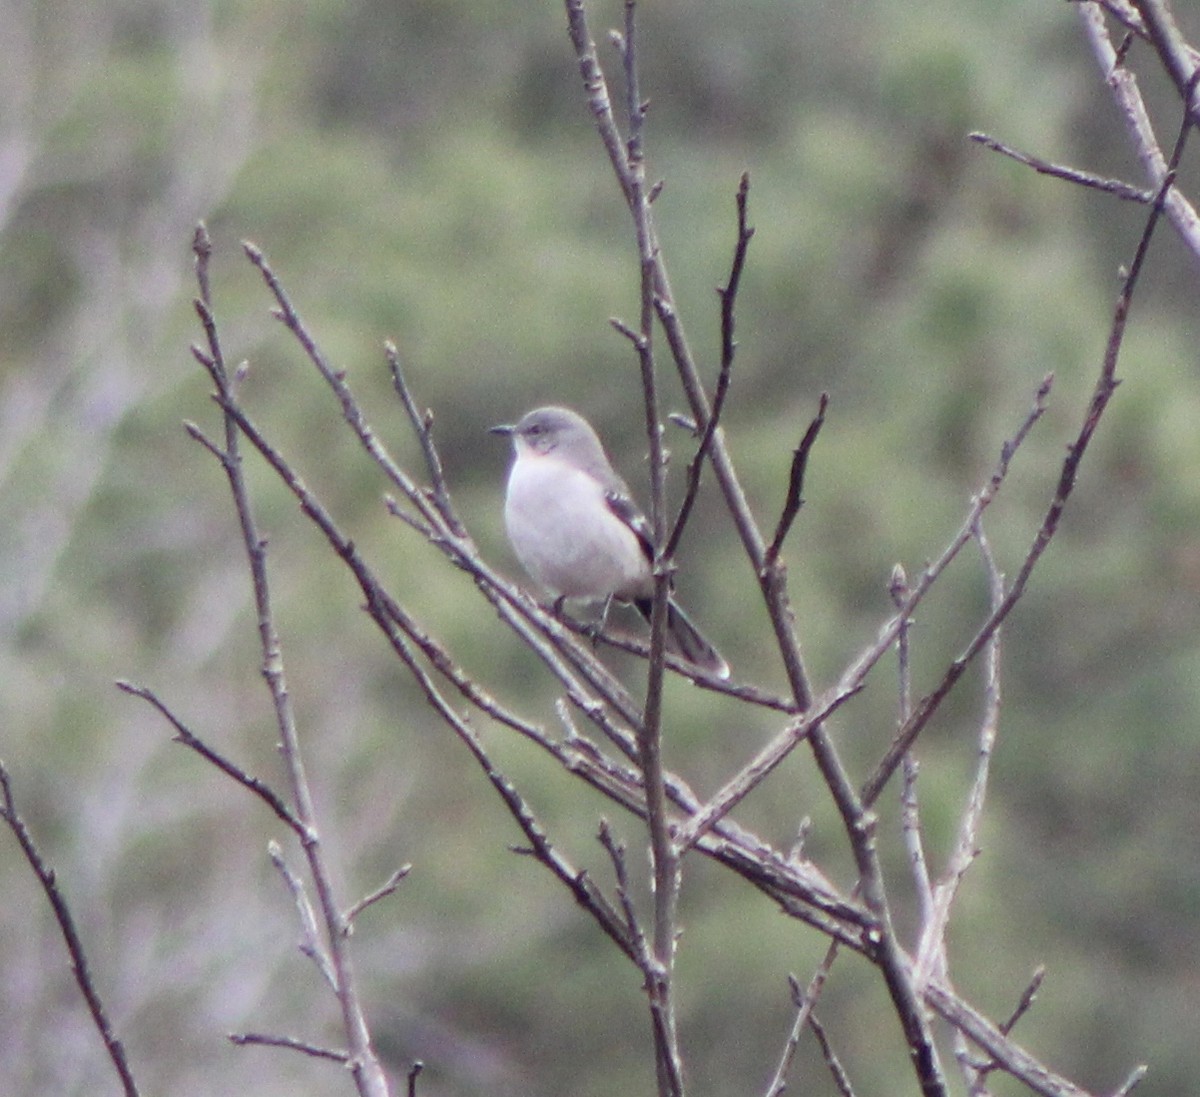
[[576, 530]]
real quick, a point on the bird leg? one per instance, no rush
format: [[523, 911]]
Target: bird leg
[[596, 629]]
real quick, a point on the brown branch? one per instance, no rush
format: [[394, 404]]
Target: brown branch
[[855, 674], [1124, 89], [658, 968], [596, 88], [728, 295], [292, 1043], [388, 887], [422, 424], [795, 493], [840, 1079], [1015, 1060], [310, 936], [369, 1077], [931, 952], [1171, 48], [639, 950], [805, 999], [184, 735], [1106, 385], [1115, 187], [739, 850], [982, 1069], [70, 934], [910, 814]]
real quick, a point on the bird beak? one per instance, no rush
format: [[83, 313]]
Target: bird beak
[[502, 428]]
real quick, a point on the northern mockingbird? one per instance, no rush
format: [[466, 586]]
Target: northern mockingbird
[[577, 531]]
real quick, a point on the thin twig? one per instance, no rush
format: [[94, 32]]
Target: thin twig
[[1015, 1059], [761, 766], [369, 1077], [981, 1070], [936, 994], [728, 295], [1027, 999], [931, 952], [292, 1043], [910, 814], [616, 855], [310, 936], [855, 674], [1128, 98], [596, 87], [795, 493], [1106, 385], [184, 735], [664, 863], [840, 1079], [1135, 1077], [1171, 48], [805, 1000], [388, 887], [70, 934], [1073, 175], [422, 424]]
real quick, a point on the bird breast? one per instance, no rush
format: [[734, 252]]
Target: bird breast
[[567, 538]]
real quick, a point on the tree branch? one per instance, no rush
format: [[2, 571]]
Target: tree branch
[[70, 934]]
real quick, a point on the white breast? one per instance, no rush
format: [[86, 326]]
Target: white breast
[[566, 537]]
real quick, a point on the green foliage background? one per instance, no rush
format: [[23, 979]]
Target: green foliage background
[[427, 172]]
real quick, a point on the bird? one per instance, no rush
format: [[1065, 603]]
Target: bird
[[576, 530]]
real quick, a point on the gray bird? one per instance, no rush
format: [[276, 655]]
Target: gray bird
[[576, 530]]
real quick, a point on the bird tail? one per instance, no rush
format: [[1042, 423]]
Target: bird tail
[[687, 641]]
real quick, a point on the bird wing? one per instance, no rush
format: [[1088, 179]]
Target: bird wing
[[628, 512]]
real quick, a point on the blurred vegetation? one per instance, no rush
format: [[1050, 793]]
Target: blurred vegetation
[[427, 172]]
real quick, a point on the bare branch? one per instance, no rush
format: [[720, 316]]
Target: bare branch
[[751, 775], [422, 424], [369, 1077], [292, 1043], [728, 294], [910, 815], [1176, 57], [640, 952], [1106, 385], [931, 953], [1135, 1077], [184, 735], [795, 497], [1124, 88], [740, 851], [986, 1035], [1073, 175], [805, 1000], [855, 674], [310, 935], [664, 862], [977, 1071], [387, 888], [597, 93], [70, 934], [840, 1078]]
